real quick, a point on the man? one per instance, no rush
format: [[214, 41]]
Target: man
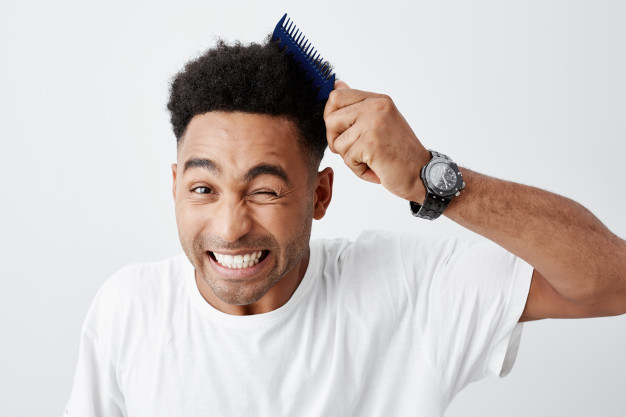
[[256, 320]]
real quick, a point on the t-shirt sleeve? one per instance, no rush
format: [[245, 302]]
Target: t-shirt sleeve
[[95, 392], [469, 297]]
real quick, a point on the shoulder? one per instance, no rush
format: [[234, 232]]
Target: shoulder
[[374, 248], [138, 290], [367, 242], [361, 267], [147, 279], [382, 248], [333, 255]]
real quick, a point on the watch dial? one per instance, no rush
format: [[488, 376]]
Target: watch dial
[[442, 176]]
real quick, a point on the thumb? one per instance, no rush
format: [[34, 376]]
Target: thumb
[[341, 85]]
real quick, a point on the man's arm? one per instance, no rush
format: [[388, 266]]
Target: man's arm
[[580, 266]]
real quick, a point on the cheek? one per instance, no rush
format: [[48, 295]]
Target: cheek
[[190, 220]]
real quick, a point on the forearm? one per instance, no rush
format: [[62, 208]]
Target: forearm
[[568, 245]]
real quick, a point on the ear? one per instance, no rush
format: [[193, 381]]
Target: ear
[[323, 192], [174, 167]]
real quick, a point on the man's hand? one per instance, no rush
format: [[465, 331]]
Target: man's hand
[[375, 141]]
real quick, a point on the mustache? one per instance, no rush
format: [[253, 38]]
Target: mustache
[[215, 243]]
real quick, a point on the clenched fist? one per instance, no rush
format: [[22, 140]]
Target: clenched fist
[[375, 141]]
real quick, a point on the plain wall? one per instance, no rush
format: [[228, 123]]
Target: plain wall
[[529, 91]]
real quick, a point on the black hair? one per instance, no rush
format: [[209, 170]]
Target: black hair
[[254, 78]]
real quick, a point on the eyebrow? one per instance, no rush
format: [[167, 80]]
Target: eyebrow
[[266, 169], [202, 163], [256, 171]]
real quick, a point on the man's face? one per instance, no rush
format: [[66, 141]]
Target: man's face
[[245, 201]]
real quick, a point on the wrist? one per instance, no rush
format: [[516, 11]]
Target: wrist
[[418, 189]]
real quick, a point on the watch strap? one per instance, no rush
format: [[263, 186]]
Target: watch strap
[[432, 208], [435, 154]]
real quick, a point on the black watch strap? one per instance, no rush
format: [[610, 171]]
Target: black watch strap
[[432, 208], [435, 154]]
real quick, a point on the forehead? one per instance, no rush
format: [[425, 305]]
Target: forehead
[[237, 140]]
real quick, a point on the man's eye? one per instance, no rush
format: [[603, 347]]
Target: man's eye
[[267, 192], [202, 190], [263, 196]]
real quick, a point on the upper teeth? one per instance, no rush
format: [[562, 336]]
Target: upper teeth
[[238, 261]]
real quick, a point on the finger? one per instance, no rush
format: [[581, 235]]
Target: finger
[[354, 159], [341, 120], [345, 97], [346, 140], [370, 176], [341, 85]]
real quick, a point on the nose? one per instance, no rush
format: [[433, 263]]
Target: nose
[[230, 219]]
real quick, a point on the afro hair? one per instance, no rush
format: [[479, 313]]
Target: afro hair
[[253, 78]]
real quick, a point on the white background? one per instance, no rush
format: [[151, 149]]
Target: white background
[[530, 91]]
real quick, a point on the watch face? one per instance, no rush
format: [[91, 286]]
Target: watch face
[[442, 176]]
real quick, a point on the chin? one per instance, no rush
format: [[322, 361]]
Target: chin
[[239, 293]]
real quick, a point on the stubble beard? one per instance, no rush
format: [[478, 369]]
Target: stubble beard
[[286, 258]]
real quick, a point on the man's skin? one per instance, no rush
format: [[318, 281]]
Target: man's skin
[[258, 193]]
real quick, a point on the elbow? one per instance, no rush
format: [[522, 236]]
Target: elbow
[[598, 289], [603, 295], [610, 298], [609, 288], [615, 300], [616, 291]]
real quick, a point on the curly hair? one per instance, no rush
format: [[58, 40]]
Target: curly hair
[[253, 78]]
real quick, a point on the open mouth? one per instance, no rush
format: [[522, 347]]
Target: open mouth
[[239, 261]]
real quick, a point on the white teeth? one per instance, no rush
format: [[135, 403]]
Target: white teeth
[[238, 261]]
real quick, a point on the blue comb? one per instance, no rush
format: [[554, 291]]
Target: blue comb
[[309, 59]]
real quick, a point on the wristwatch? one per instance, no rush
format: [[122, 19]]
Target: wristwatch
[[443, 182]]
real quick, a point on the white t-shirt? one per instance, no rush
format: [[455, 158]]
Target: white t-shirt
[[389, 324]]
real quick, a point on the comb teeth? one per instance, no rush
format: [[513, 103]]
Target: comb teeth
[[296, 44]]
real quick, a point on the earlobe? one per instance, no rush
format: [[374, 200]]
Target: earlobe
[[323, 192], [174, 167]]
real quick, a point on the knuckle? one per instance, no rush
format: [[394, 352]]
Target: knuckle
[[378, 120], [371, 145], [341, 144], [368, 138], [332, 99], [384, 104], [349, 157], [329, 121], [332, 147]]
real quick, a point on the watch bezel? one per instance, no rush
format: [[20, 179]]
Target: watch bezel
[[436, 190]]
